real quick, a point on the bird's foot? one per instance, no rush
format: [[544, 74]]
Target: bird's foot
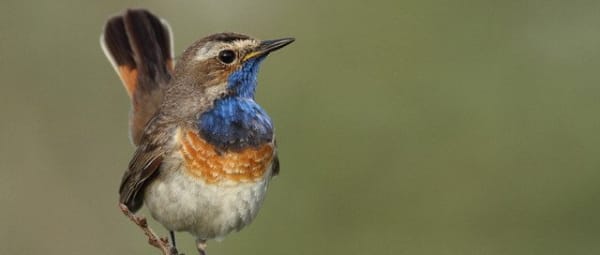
[[174, 251], [201, 246]]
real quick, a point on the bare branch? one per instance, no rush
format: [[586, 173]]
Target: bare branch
[[160, 243]]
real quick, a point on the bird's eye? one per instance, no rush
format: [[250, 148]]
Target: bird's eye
[[227, 56]]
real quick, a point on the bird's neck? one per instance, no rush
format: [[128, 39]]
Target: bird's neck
[[235, 123], [242, 82]]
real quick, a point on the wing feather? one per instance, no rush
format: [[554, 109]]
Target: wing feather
[[145, 164]]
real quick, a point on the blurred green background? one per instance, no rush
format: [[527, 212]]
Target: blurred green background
[[404, 126]]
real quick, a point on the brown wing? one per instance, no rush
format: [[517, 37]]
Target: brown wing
[[145, 164], [275, 165]]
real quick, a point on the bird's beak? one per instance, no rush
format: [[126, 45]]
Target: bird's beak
[[268, 46]]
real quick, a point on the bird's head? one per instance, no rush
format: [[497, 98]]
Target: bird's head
[[225, 64]]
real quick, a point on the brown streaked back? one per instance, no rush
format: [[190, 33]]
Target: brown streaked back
[[139, 46]]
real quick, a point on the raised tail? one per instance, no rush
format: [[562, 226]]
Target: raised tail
[[139, 46]]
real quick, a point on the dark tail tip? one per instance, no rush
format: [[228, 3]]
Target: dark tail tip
[[150, 39]]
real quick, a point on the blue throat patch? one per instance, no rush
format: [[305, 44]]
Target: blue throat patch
[[236, 121]]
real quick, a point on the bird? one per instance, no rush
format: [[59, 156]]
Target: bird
[[205, 150]]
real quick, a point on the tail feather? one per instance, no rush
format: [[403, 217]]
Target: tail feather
[[139, 46], [150, 41]]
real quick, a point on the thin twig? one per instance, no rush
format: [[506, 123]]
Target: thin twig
[[161, 243]]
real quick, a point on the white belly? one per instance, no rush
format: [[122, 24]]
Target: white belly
[[181, 202]]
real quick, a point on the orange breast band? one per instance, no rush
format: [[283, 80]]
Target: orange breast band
[[204, 162]]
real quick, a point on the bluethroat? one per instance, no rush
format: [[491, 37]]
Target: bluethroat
[[205, 150]]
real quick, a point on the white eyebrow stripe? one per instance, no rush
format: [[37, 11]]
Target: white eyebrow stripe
[[243, 44], [210, 50], [206, 52]]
